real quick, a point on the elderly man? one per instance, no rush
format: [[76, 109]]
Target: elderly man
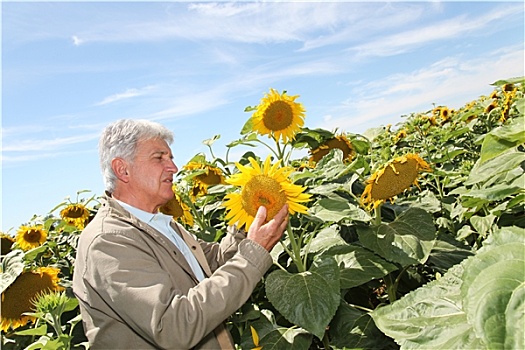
[[144, 282]]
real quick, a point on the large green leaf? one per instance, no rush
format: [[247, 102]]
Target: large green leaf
[[336, 208], [308, 299], [501, 164], [447, 252], [12, 267], [352, 328], [407, 240], [431, 317], [478, 304], [327, 238], [501, 139], [359, 265], [493, 290]]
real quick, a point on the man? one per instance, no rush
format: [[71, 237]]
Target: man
[[142, 281]]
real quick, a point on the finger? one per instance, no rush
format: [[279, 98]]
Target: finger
[[282, 214], [259, 219]]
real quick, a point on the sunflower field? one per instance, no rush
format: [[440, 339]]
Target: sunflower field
[[404, 237]]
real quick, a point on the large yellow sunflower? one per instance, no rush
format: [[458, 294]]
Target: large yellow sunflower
[[339, 141], [6, 243], [177, 208], [393, 179], [29, 237], [211, 176], [278, 115], [268, 186], [75, 214], [18, 298]]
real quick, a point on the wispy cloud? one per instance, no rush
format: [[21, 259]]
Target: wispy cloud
[[452, 81], [129, 93], [39, 145], [423, 35]]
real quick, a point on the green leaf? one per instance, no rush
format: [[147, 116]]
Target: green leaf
[[308, 299], [352, 329], [327, 238], [12, 267], [40, 330], [493, 290], [448, 252], [358, 265], [275, 337], [287, 339], [431, 317], [211, 141], [503, 138], [515, 80], [248, 126], [336, 209], [407, 240], [478, 304], [483, 224], [482, 172]]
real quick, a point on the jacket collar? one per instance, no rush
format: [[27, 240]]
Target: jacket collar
[[115, 209]]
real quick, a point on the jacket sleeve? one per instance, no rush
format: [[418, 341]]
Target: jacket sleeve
[[126, 274]]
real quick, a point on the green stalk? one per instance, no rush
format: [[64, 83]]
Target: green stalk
[[296, 250], [377, 217], [391, 288]]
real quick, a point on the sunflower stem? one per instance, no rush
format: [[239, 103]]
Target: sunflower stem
[[296, 250], [377, 217]]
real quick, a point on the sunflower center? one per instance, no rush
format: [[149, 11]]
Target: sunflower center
[[331, 144], [390, 183], [278, 116], [75, 212], [212, 178], [265, 191], [176, 210], [32, 235], [18, 297]]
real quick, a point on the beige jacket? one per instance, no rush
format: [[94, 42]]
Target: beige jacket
[[136, 290]]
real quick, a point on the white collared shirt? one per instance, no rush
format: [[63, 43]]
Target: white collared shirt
[[161, 222]]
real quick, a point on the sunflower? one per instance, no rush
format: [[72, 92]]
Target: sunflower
[[210, 176], [393, 179], [6, 243], [490, 107], [442, 112], [339, 141], [177, 208], [268, 186], [401, 134], [18, 298], [29, 237], [75, 214], [278, 115]]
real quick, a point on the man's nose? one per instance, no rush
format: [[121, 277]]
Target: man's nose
[[172, 166]]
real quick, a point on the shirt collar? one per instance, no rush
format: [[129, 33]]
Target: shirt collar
[[141, 214]]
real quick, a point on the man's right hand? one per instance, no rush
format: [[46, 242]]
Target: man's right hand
[[267, 235]]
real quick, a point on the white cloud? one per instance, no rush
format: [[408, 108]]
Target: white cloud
[[129, 93], [422, 35], [452, 82], [39, 145], [76, 40]]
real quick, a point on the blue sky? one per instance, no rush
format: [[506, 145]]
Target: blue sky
[[70, 68]]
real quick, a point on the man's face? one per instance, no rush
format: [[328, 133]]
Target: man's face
[[151, 175]]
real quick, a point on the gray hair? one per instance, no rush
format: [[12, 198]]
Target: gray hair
[[119, 140]]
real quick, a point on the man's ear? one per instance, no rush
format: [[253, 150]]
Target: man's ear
[[120, 168]]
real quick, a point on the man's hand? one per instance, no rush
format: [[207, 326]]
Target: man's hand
[[269, 234]]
